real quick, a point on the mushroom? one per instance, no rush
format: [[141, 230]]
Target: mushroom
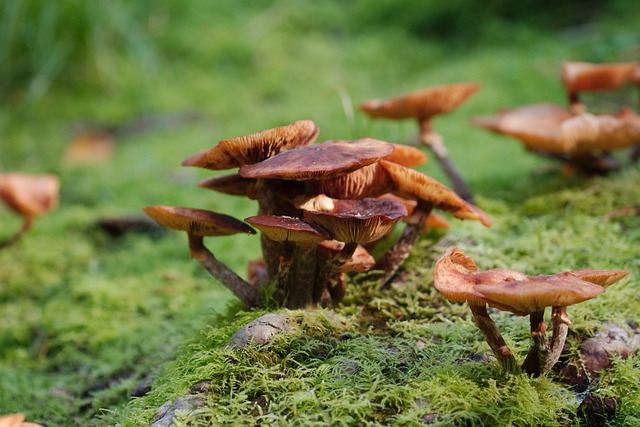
[[423, 105], [16, 420], [585, 76], [29, 196], [354, 222], [199, 223], [299, 239], [458, 278], [429, 194], [582, 141]]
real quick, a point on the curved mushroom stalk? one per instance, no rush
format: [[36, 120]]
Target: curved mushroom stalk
[[494, 338], [26, 226], [242, 289], [399, 252], [198, 223], [435, 142]]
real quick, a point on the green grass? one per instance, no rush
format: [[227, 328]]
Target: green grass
[[85, 318]]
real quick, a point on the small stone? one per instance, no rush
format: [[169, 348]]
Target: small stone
[[259, 331]]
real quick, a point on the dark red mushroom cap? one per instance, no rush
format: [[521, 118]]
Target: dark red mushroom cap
[[288, 229], [359, 221], [232, 184], [197, 222], [319, 161]]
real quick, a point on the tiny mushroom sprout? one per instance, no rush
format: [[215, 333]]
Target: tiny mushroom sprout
[[582, 141], [458, 279], [199, 223], [29, 196], [423, 105]]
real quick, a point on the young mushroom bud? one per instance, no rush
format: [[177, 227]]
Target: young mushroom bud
[[199, 223]]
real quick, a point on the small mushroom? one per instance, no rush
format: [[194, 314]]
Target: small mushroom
[[254, 148], [423, 105], [586, 77], [458, 278], [16, 420], [355, 222], [583, 141], [199, 223], [232, 184], [29, 196], [299, 239]]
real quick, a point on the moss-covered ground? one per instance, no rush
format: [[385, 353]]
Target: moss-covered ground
[[88, 320]]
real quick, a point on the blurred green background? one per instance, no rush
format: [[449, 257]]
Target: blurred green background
[[85, 317]]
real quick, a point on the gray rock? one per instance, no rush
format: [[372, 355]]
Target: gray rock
[[166, 413], [259, 331]]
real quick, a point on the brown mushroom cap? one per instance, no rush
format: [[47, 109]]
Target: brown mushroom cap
[[197, 222], [256, 147], [412, 184], [232, 184], [288, 229], [319, 161], [358, 221], [29, 195], [527, 296], [585, 76], [421, 104]]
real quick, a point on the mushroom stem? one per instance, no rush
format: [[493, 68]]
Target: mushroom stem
[[26, 226], [398, 253], [242, 289], [560, 322], [330, 285], [494, 338], [435, 142], [299, 283], [539, 352]]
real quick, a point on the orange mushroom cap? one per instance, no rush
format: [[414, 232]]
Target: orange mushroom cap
[[197, 222], [586, 76], [256, 147], [407, 155], [527, 296], [29, 195], [412, 184], [421, 104]]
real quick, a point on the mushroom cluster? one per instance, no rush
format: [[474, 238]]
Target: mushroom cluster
[[581, 140], [457, 277], [318, 205]]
